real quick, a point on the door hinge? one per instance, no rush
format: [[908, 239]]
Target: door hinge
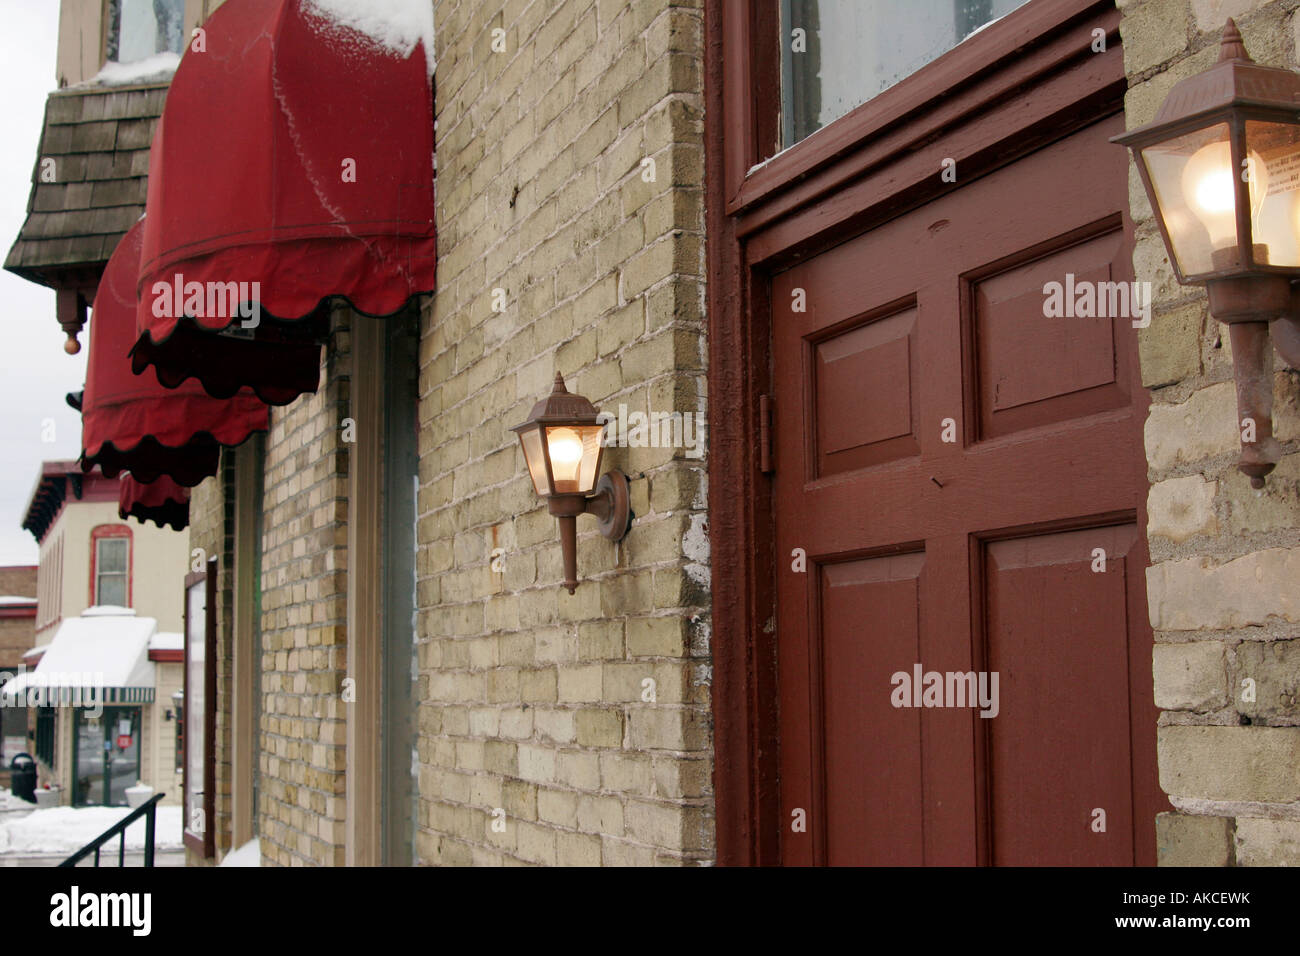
[[765, 434]]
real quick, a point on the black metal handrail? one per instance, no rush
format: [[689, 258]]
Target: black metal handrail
[[146, 810]]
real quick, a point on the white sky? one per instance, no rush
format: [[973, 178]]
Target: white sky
[[35, 372]]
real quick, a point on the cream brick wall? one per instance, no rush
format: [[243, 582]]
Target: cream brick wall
[[304, 622], [532, 699], [1224, 582]]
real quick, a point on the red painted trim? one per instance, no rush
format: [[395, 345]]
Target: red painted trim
[[947, 80], [112, 531], [95, 487], [52, 493], [740, 525], [168, 656], [18, 610]]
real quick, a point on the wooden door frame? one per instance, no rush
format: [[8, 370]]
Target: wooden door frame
[[203, 844], [245, 707], [363, 828], [877, 162]]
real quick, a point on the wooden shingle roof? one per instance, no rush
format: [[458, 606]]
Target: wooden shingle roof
[[98, 139]]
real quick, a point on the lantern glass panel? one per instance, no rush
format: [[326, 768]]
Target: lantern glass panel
[[575, 454], [1194, 182], [531, 440], [1275, 224]]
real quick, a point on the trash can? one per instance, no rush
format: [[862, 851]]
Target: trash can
[[22, 777]]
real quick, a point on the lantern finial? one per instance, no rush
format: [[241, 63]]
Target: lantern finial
[[559, 384], [1232, 47]]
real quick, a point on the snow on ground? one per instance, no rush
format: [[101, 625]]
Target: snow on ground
[[250, 854], [68, 829], [160, 66], [9, 802]]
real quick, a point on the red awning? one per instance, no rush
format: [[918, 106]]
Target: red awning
[[130, 422], [292, 165], [161, 501]]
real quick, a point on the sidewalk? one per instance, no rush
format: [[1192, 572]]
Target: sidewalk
[[33, 837]]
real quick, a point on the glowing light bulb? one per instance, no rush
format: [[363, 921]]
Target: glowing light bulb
[[565, 446], [1210, 187]]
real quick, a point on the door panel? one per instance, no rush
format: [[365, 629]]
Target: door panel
[[970, 554], [870, 619], [868, 366], [1037, 370], [1058, 635]]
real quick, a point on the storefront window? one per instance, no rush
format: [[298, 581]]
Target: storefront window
[[180, 731], [837, 54], [45, 735], [107, 755], [140, 28]]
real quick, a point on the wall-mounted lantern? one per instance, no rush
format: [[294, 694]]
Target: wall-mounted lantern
[[562, 446], [1221, 165]]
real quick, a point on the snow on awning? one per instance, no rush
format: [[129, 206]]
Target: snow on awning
[[101, 657], [167, 641], [130, 422], [167, 647], [292, 167]]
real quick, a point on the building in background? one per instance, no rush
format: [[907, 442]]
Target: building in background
[[106, 661], [17, 636]]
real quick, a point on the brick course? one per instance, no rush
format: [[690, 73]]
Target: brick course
[[1225, 558], [302, 736]]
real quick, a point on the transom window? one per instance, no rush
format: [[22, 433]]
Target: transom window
[[138, 29], [837, 54]]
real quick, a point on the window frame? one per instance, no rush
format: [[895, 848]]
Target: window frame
[[111, 532], [758, 169]]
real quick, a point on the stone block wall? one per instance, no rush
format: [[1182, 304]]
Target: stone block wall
[[1224, 581], [558, 729]]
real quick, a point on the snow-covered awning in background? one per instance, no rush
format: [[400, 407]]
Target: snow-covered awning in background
[[167, 641], [101, 657]]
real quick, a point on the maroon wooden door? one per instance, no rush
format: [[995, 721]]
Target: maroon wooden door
[[975, 554]]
